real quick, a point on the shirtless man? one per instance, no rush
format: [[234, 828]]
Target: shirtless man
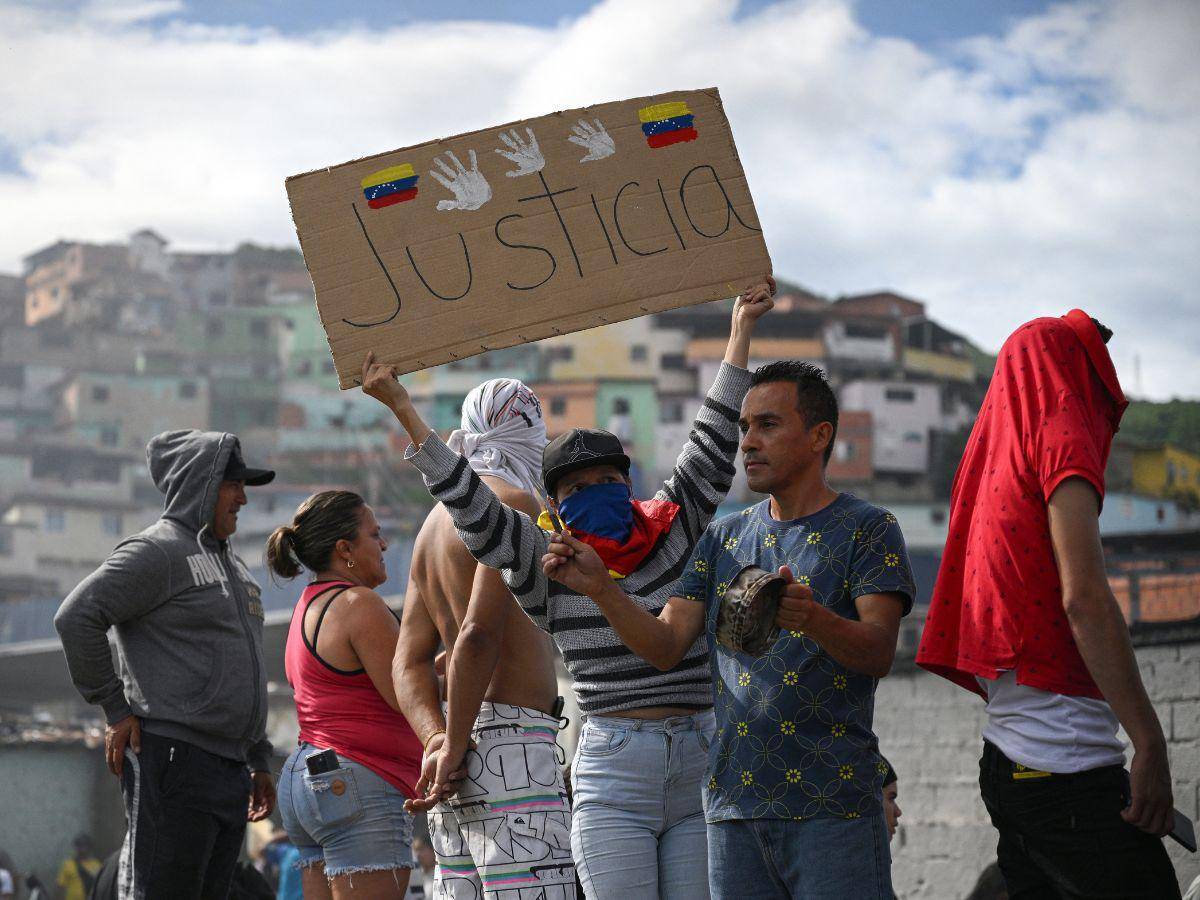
[[500, 680]]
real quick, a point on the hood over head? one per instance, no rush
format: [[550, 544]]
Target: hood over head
[[188, 467], [1054, 362]]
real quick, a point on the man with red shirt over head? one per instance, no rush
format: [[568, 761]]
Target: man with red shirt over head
[[1022, 614]]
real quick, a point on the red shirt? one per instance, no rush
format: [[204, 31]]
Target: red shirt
[[343, 710], [1050, 414]]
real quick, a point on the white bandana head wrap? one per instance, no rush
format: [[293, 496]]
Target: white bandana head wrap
[[503, 433]]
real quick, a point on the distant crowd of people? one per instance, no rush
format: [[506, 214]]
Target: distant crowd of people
[[725, 668]]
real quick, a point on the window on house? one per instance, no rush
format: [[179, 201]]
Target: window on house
[[216, 328], [100, 393], [899, 395], [560, 354], [109, 436], [6, 542], [218, 298], [673, 361], [56, 520], [620, 406], [637, 353], [111, 524], [670, 412], [12, 376], [304, 367], [937, 516], [54, 337], [845, 451], [912, 437], [869, 332], [558, 406], [187, 390]]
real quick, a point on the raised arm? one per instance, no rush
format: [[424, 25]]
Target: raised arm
[[495, 534], [704, 471]]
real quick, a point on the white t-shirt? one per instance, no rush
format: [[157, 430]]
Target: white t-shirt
[[6, 882], [1050, 732]]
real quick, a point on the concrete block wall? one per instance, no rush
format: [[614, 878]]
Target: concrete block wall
[[49, 794], [930, 730]]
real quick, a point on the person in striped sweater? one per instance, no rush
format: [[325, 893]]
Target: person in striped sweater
[[638, 828]]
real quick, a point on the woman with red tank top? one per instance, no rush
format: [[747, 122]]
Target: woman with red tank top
[[342, 790]]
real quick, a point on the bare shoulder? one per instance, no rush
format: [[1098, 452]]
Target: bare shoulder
[[362, 603]]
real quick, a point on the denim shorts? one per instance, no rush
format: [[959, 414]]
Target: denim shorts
[[350, 818]]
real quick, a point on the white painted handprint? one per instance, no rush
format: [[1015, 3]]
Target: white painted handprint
[[470, 188], [524, 153], [592, 138]]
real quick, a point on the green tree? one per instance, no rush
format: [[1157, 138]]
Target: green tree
[[1175, 422]]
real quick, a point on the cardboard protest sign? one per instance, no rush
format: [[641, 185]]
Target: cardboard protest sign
[[520, 232]]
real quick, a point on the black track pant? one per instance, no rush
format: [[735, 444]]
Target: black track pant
[[186, 809]]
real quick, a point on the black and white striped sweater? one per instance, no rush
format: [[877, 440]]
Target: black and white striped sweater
[[608, 677]]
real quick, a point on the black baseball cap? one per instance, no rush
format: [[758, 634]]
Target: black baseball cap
[[237, 470], [581, 448]]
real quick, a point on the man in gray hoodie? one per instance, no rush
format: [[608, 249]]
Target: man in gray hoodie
[[186, 716]]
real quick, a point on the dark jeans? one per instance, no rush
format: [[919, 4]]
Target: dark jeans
[[817, 859], [1062, 836], [187, 815]]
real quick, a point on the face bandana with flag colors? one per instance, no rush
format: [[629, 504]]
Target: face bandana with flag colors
[[620, 529]]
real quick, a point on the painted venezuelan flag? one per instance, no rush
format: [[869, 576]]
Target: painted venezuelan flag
[[665, 124], [389, 186]]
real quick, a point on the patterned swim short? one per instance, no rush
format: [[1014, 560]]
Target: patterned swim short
[[507, 832]]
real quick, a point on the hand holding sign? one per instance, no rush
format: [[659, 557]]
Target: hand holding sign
[[380, 381], [593, 138], [469, 187], [755, 301], [524, 153]]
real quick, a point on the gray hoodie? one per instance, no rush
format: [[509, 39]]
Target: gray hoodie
[[187, 615]]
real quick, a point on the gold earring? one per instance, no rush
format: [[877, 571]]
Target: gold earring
[[349, 564]]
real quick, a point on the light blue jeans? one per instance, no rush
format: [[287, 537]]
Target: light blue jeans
[[637, 830], [817, 859], [350, 818]]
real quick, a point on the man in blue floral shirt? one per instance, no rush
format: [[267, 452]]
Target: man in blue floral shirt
[[793, 800]]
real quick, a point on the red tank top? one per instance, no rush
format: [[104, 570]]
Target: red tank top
[[342, 710]]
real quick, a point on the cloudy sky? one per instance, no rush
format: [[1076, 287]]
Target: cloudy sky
[[997, 160]]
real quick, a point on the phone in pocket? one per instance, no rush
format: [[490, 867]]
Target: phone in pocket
[[321, 762]]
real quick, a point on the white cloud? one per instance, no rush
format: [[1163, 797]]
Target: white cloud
[[1048, 168], [127, 12]]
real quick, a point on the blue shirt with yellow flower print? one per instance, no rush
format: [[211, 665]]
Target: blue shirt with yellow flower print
[[794, 727]]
